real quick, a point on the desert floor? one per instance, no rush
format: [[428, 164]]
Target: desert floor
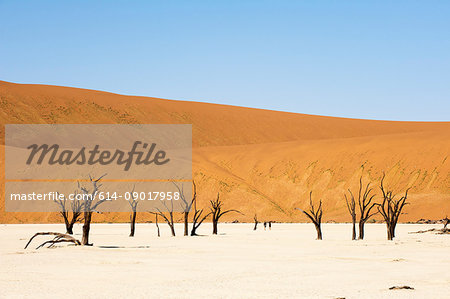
[[237, 263]]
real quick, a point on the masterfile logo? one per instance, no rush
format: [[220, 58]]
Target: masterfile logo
[[104, 157]]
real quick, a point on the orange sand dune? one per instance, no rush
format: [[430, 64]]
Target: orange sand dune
[[261, 161]]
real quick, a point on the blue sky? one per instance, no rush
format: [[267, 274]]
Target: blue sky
[[360, 59]]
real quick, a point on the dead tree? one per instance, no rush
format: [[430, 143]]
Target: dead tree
[[157, 226], [90, 205], [351, 206], [59, 238], [169, 219], [391, 208], [198, 219], [64, 213], [187, 205], [315, 215], [365, 206], [255, 218], [76, 207], [133, 204], [216, 211]]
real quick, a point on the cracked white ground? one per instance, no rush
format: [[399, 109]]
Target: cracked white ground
[[238, 263]]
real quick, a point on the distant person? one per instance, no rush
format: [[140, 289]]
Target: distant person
[[265, 224], [270, 225]]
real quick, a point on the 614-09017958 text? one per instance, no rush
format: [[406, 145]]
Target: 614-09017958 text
[[53, 195]]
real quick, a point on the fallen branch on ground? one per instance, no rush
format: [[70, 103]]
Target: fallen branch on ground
[[438, 231], [401, 288], [59, 238]]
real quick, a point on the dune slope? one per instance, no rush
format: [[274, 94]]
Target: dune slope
[[262, 162]]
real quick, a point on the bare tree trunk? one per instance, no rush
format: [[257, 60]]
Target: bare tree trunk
[[69, 228], [214, 227], [186, 223], [361, 230], [393, 229], [389, 232], [351, 206], [75, 216], [89, 207], [157, 226], [86, 228], [390, 236], [133, 204], [354, 229], [319, 231], [172, 230], [132, 223], [171, 224], [187, 205]]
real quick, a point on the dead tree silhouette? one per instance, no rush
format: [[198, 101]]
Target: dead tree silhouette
[[157, 226], [351, 207], [217, 213], [255, 218], [198, 219], [187, 205], [315, 215], [365, 206], [391, 208], [76, 208], [133, 204], [90, 205], [169, 219]]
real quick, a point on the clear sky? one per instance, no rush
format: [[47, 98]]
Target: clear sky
[[361, 59]]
